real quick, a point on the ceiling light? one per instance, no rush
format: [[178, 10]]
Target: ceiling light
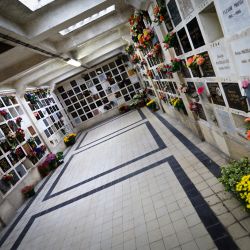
[[35, 4], [87, 20], [74, 62]]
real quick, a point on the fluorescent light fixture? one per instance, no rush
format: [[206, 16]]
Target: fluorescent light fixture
[[35, 4], [88, 20], [74, 63]]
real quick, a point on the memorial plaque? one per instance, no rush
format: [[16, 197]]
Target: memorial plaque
[[224, 121], [221, 60], [234, 97], [201, 112], [177, 46], [184, 40], [215, 93], [186, 7], [241, 50], [168, 23], [207, 67], [235, 15], [4, 165], [174, 12], [195, 33]]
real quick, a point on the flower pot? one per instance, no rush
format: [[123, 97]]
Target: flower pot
[[30, 193], [70, 143]]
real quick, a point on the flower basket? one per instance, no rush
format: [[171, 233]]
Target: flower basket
[[70, 139], [28, 191]]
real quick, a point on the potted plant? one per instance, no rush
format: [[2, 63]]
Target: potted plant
[[59, 158], [28, 191], [70, 139], [152, 105], [235, 176], [43, 169], [124, 108], [51, 161]]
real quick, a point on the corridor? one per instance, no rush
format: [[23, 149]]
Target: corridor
[[137, 181]]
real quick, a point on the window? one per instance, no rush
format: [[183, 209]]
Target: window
[[35, 4], [87, 20]]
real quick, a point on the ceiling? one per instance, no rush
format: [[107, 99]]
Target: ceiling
[[38, 52]]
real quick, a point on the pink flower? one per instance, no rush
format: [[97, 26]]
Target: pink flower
[[200, 90], [245, 84]]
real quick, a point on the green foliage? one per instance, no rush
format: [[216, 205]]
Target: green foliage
[[232, 173], [59, 156]]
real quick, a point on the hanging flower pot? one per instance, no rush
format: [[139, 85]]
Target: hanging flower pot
[[169, 40], [159, 14]]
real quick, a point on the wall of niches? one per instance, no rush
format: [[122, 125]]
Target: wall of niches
[[219, 31], [19, 139], [48, 116], [98, 90]]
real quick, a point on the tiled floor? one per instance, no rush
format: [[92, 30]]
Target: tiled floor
[[139, 181]]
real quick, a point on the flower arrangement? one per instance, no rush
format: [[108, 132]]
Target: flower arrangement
[[200, 90], [235, 178], [135, 59], [193, 107], [11, 137], [175, 64], [150, 73], [247, 121], [195, 61], [3, 113], [145, 38], [169, 40], [28, 191], [155, 52], [69, 139], [130, 49], [245, 84], [159, 13], [136, 25], [31, 98], [20, 135], [243, 189], [177, 103], [50, 161], [18, 121], [152, 105], [7, 177], [166, 68]]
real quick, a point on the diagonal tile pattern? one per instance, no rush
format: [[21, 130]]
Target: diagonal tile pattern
[[134, 182]]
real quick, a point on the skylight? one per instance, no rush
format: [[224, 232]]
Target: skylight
[[35, 4], [87, 20]]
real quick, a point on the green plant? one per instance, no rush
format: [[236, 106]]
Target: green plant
[[232, 173], [59, 157]]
